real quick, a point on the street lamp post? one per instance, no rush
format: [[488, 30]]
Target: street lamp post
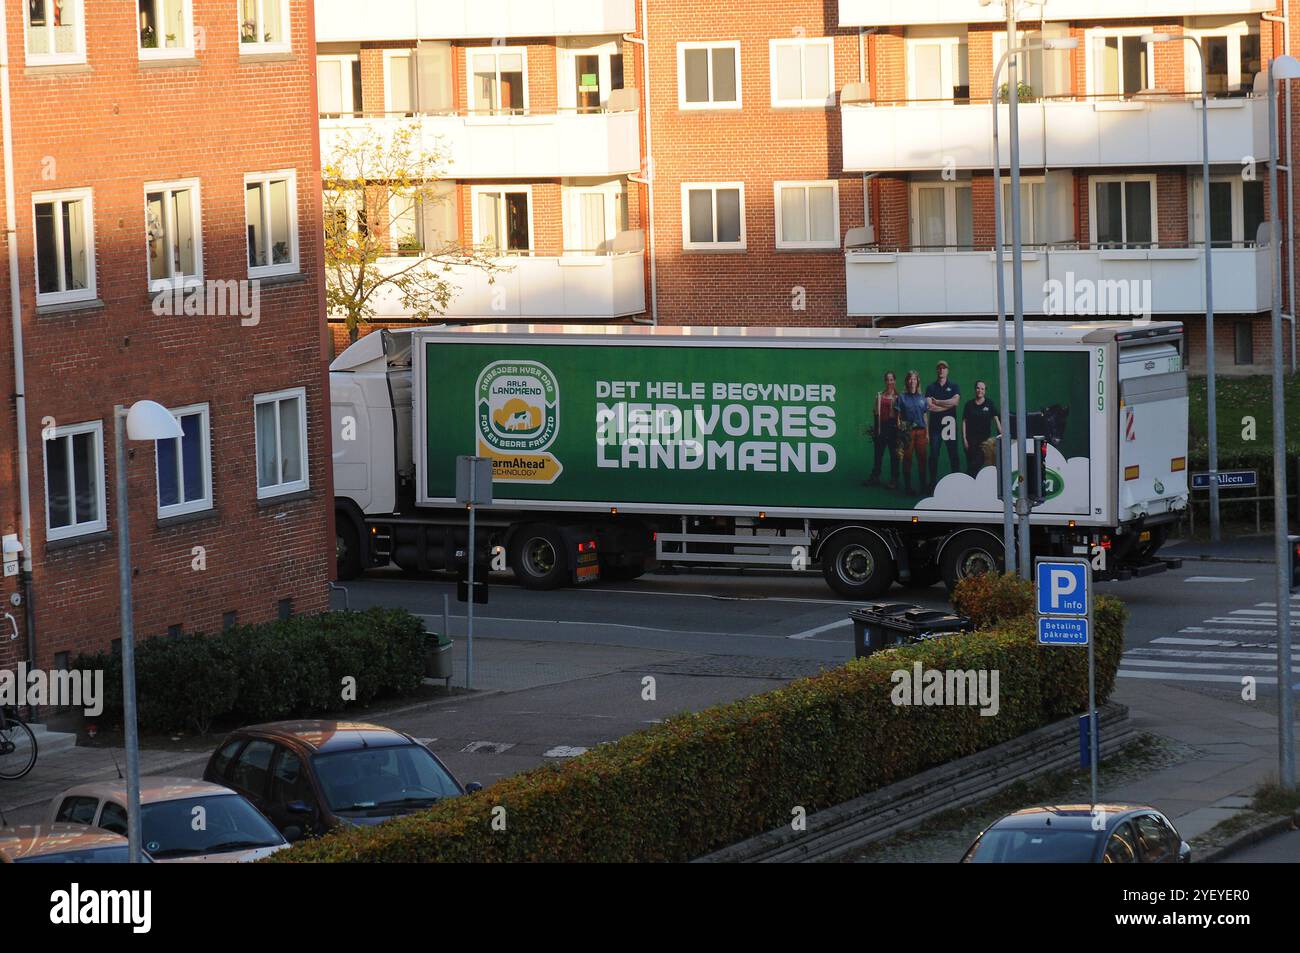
[[1210, 399], [1008, 536], [1280, 68], [144, 420]]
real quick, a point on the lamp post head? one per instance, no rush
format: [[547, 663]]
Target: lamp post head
[[1285, 67], [1157, 37], [150, 420], [1062, 43]]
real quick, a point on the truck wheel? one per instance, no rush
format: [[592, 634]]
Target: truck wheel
[[857, 565], [969, 554], [539, 557], [347, 548]]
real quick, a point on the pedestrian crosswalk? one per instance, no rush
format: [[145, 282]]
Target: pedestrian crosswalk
[[1223, 649]]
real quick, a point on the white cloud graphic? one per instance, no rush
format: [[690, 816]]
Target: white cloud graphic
[[960, 491]]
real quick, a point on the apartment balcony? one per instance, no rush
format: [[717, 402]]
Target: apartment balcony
[[348, 21], [1154, 129], [534, 145], [566, 287], [918, 12], [962, 283]]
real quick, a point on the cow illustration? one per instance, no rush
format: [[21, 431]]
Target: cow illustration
[[520, 420]]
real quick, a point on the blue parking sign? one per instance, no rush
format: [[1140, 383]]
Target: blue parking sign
[[1062, 588]]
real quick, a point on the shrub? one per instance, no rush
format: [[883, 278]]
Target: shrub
[[703, 780], [990, 600], [268, 671]]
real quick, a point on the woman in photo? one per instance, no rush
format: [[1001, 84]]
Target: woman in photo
[[912, 438]]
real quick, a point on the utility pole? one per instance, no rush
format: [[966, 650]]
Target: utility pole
[[1018, 292]]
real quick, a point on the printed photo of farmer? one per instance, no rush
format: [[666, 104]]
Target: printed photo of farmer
[[912, 440], [942, 397], [978, 419], [884, 432]]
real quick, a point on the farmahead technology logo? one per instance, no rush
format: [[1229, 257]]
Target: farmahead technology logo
[[517, 411]]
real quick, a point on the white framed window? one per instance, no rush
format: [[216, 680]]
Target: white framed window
[[942, 217], [1033, 211], [1236, 211], [1119, 64], [338, 84], [497, 80], [595, 211], [418, 81], [271, 223], [1122, 211], [803, 72], [708, 75], [713, 216], [166, 28], [588, 72], [65, 246], [1046, 72], [938, 65], [281, 437], [184, 464], [74, 480], [425, 221], [503, 218], [1232, 55], [263, 26], [807, 214], [174, 233], [55, 32]]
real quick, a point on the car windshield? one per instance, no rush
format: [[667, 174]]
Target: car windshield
[[113, 854], [1036, 847], [385, 780], [215, 824]]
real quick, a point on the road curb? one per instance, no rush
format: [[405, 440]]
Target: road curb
[[1250, 837]]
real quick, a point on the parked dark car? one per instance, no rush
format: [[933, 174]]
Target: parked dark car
[[1080, 834], [311, 776]]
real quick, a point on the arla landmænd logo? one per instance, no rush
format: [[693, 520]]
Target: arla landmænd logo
[[517, 417]]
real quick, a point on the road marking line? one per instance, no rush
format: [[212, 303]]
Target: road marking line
[[1185, 677], [1174, 640], [1272, 613], [1158, 663], [487, 747], [1258, 656], [809, 633], [564, 751], [1219, 579]]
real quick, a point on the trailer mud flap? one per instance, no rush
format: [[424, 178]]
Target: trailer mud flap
[[586, 562]]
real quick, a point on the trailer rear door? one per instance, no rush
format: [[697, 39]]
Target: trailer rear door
[[1152, 430]]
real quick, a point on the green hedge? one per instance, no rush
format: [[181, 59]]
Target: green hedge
[[700, 781], [264, 672]]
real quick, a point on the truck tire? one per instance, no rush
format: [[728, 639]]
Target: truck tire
[[347, 548], [539, 557], [970, 554], [857, 564]]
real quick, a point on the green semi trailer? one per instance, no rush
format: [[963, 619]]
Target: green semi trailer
[[869, 454]]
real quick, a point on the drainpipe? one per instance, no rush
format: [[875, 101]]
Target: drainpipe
[[16, 318], [1289, 317], [643, 42]]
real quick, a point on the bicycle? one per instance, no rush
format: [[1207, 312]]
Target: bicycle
[[17, 746]]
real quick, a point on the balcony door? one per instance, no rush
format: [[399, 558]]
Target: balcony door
[[941, 216], [1232, 55], [938, 66], [590, 68], [1123, 211], [418, 81], [498, 80], [1236, 211], [1120, 65], [595, 211], [503, 219]]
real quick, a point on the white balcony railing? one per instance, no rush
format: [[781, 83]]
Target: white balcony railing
[[549, 145], [1118, 281], [568, 286], [917, 12], [351, 21], [1159, 130]]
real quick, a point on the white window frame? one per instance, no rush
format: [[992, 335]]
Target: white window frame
[[715, 188], [950, 43], [295, 486], [57, 59], [615, 195], [1093, 181], [407, 53], [801, 44], [1091, 78], [681, 75], [567, 51], [1028, 216], [259, 45], [346, 99], [1197, 202], [76, 529], [804, 186], [161, 52], [476, 220], [1233, 31], [474, 108], [87, 198], [950, 230], [205, 438], [159, 284], [1056, 30], [292, 266]]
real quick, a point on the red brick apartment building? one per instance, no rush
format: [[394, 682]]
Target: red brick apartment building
[[161, 149], [804, 162]]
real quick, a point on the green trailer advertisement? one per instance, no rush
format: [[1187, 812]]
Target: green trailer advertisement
[[686, 425]]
